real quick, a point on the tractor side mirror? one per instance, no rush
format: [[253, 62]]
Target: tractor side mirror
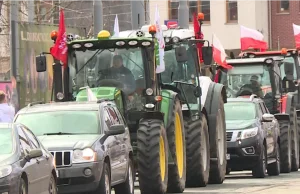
[[289, 71], [207, 55], [41, 65], [197, 92], [181, 54]]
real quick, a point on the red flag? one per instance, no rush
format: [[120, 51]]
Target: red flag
[[219, 54], [296, 29], [252, 39], [198, 36], [59, 51]]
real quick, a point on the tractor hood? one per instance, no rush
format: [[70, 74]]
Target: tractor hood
[[68, 142], [240, 124]]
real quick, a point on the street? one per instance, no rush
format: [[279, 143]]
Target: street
[[242, 182]]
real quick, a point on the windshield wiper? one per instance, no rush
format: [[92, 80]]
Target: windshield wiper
[[59, 133], [97, 52]]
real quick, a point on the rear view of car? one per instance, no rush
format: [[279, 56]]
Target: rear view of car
[[252, 135]]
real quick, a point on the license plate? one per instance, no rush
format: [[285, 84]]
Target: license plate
[[227, 156], [57, 173]]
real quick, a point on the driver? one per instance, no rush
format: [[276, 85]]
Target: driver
[[119, 72], [255, 86]]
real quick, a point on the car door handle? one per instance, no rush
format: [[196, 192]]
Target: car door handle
[[37, 161]]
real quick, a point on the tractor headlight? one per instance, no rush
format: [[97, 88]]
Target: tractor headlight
[[149, 91], [86, 155], [248, 133], [5, 171], [175, 39]]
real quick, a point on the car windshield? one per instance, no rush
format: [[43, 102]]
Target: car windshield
[[73, 122], [248, 79], [123, 68], [239, 111], [6, 141]]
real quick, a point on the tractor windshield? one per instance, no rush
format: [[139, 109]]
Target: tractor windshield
[[289, 59], [123, 68], [179, 71], [247, 79]]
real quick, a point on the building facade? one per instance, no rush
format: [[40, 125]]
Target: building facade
[[222, 18], [283, 14]]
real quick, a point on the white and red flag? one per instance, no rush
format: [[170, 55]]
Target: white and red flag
[[297, 35], [219, 54], [252, 39]]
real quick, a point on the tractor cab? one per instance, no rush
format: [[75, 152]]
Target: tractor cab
[[259, 76]]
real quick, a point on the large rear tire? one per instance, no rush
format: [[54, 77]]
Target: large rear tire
[[285, 146], [152, 157], [294, 137], [218, 144], [198, 152], [177, 147]]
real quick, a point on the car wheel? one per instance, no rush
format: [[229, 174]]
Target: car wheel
[[105, 184], [274, 168], [52, 186], [128, 186], [259, 171], [23, 187]]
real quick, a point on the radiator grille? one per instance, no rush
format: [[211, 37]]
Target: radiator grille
[[229, 136], [62, 158]]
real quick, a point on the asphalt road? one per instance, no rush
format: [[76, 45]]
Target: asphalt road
[[242, 182]]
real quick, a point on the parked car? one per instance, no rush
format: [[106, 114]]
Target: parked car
[[90, 142], [26, 167], [252, 137]]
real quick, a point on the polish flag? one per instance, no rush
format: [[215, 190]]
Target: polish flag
[[252, 39], [297, 35], [219, 54]]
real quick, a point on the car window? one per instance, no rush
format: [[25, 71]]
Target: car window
[[24, 141], [239, 111], [119, 115], [266, 109], [75, 122], [35, 144], [107, 120], [6, 141], [113, 116], [263, 110]]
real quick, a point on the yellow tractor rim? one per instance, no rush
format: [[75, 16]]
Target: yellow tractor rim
[[162, 158], [179, 144]]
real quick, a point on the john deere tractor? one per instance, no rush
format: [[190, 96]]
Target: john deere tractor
[[202, 105], [154, 115]]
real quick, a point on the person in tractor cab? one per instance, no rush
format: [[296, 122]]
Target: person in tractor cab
[[254, 86], [122, 75]]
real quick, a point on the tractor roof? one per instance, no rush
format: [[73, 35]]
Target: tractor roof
[[253, 60], [267, 53]]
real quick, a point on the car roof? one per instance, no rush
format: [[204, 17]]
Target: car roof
[[245, 99], [64, 106], [252, 60]]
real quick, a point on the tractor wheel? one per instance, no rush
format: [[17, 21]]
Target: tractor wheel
[[218, 144], [152, 157], [285, 146], [198, 152], [294, 138], [176, 140]]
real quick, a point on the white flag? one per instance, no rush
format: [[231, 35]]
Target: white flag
[[116, 27], [161, 43]]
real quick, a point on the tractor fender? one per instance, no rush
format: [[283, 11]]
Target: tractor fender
[[280, 116], [167, 105], [214, 92], [289, 103]]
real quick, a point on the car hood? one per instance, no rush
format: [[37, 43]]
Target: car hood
[[240, 124], [69, 142], [6, 159]]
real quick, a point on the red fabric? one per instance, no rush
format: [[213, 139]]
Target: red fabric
[[217, 76], [197, 36], [59, 51], [247, 43], [218, 59], [297, 41]]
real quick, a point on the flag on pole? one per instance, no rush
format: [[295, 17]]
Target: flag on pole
[[116, 27], [252, 39], [198, 36], [297, 35], [219, 54], [161, 44], [59, 50]]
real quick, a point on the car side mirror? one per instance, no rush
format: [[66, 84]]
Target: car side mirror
[[197, 92], [267, 117], [181, 54], [207, 55], [35, 153], [289, 71], [41, 64], [115, 130]]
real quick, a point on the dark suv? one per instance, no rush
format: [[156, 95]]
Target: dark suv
[[90, 142], [252, 137]]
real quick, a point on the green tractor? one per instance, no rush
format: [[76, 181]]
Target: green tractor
[[153, 115]]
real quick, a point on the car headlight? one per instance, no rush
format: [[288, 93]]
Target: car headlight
[[86, 155], [248, 133], [5, 171]]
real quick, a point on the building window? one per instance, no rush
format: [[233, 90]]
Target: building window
[[283, 6], [195, 6], [232, 11]]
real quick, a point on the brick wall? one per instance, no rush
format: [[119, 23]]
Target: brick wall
[[282, 28]]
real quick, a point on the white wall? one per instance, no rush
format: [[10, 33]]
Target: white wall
[[251, 14]]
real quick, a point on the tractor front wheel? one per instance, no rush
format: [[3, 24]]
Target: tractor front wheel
[[152, 157]]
